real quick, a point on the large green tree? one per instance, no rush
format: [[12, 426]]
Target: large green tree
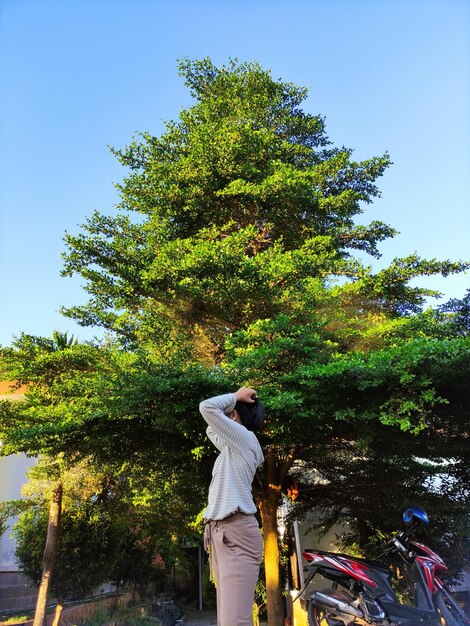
[[231, 259]]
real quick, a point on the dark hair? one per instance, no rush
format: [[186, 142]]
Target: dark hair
[[251, 414]]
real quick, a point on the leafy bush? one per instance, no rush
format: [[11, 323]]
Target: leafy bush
[[122, 616], [101, 615], [89, 540], [15, 619]]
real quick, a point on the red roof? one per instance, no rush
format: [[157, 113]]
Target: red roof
[[7, 388]]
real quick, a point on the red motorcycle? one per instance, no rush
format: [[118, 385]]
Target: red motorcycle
[[362, 594]]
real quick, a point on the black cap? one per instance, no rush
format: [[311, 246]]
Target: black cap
[[251, 414]]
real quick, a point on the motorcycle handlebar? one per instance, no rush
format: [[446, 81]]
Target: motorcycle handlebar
[[398, 545]]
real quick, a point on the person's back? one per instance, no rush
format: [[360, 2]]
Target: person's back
[[232, 533]]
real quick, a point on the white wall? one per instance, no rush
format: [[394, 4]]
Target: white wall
[[12, 476]]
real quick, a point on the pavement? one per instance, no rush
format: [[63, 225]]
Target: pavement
[[203, 618], [200, 618]]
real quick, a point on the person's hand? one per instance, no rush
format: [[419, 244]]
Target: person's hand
[[245, 394]]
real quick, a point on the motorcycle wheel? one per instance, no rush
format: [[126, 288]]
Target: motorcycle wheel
[[450, 614], [319, 617]]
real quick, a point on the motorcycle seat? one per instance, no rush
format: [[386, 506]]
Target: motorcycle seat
[[368, 562]]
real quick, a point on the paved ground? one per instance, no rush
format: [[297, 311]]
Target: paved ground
[[200, 618], [203, 618]]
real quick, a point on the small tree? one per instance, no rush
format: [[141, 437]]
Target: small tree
[[88, 546], [86, 537]]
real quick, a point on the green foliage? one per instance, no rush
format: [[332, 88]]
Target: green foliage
[[426, 376], [88, 544], [148, 621], [19, 618], [104, 533], [125, 616], [243, 210], [144, 558], [101, 615], [3, 518]]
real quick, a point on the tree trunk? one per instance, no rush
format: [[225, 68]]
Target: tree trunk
[[50, 552], [274, 599], [268, 494], [116, 596], [58, 612]]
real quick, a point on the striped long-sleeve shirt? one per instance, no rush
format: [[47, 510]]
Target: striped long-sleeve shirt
[[235, 467]]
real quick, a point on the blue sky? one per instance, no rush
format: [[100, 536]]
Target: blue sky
[[79, 75]]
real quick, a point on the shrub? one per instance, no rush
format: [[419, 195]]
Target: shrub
[[167, 612]]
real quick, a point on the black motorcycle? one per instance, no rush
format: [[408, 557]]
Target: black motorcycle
[[362, 593]]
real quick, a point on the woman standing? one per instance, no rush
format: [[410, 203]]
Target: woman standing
[[232, 533]]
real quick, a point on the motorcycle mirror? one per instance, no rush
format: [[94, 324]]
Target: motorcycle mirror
[[415, 513]]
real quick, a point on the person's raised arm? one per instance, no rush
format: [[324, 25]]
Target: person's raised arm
[[215, 410], [218, 442]]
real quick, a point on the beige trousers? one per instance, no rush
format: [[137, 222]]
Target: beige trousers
[[236, 548]]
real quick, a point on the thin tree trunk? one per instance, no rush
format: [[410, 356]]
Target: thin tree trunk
[[116, 597], [58, 612], [50, 553], [134, 593]]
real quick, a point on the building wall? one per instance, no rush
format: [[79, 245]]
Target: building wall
[[16, 593], [12, 476]]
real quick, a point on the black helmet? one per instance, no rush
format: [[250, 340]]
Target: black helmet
[[251, 414]]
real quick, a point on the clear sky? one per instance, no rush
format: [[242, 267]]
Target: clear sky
[[79, 75]]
